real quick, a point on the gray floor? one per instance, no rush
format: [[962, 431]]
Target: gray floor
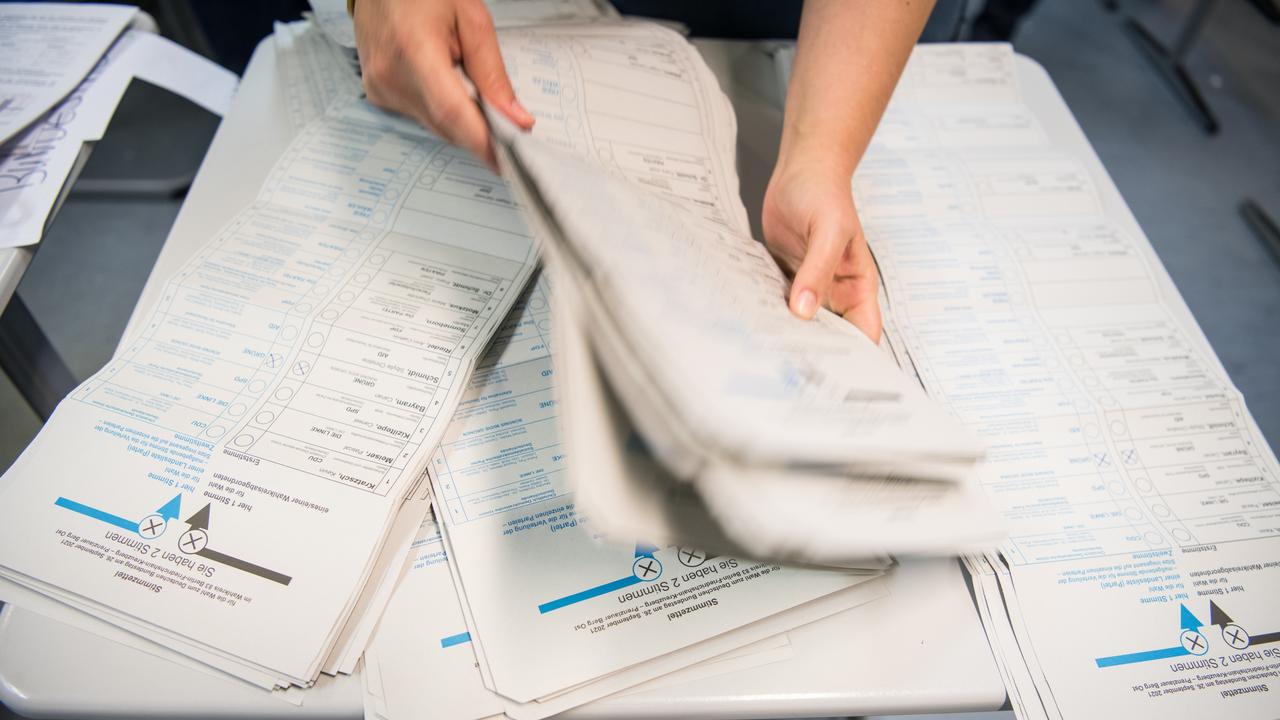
[[1183, 187]]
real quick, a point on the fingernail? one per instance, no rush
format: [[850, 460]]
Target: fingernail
[[806, 304], [525, 117]]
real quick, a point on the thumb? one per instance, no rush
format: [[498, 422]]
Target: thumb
[[825, 248], [482, 61]]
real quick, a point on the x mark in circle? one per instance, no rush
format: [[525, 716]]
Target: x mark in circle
[[690, 557], [1235, 636], [152, 526], [646, 568], [1193, 642], [193, 541]]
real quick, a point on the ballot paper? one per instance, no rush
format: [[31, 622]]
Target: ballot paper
[[226, 484], [1140, 573], [36, 164], [316, 73], [332, 18], [421, 662], [518, 13], [687, 320], [532, 574], [46, 49]]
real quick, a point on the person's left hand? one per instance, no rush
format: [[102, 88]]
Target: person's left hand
[[812, 229]]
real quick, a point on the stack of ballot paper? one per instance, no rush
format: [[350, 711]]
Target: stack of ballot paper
[[1140, 573], [233, 484], [63, 70], [529, 571], [780, 438]]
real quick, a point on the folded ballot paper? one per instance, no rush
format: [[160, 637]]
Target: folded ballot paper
[[797, 441]]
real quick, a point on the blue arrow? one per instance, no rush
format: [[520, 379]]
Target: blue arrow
[[462, 637], [1128, 658], [587, 594], [645, 549], [1189, 621], [96, 514], [169, 511]]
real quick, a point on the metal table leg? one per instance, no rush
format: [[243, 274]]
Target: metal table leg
[[1262, 225], [1169, 62]]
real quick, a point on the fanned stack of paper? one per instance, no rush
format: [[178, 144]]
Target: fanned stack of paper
[[63, 69], [800, 440]]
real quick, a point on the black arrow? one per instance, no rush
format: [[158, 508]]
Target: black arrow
[[200, 518], [1264, 638], [1218, 616], [200, 521]]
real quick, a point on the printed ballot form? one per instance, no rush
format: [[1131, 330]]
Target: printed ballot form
[[316, 72], [1140, 575], [533, 575], [225, 483], [421, 662]]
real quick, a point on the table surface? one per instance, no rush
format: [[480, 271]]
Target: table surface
[[921, 649]]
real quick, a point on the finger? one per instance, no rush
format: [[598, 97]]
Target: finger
[[826, 246], [865, 315], [856, 277], [482, 61], [448, 109]]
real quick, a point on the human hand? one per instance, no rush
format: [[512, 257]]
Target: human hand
[[812, 229], [409, 51]]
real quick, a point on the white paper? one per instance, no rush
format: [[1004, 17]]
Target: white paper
[[518, 13], [315, 72], [421, 661], [381, 584], [289, 380], [422, 650], [689, 314], [35, 165], [1140, 575], [332, 18], [534, 576], [46, 49]]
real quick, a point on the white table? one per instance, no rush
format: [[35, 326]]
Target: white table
[[921, 649]]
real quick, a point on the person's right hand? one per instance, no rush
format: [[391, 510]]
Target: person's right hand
[[409, 52]]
